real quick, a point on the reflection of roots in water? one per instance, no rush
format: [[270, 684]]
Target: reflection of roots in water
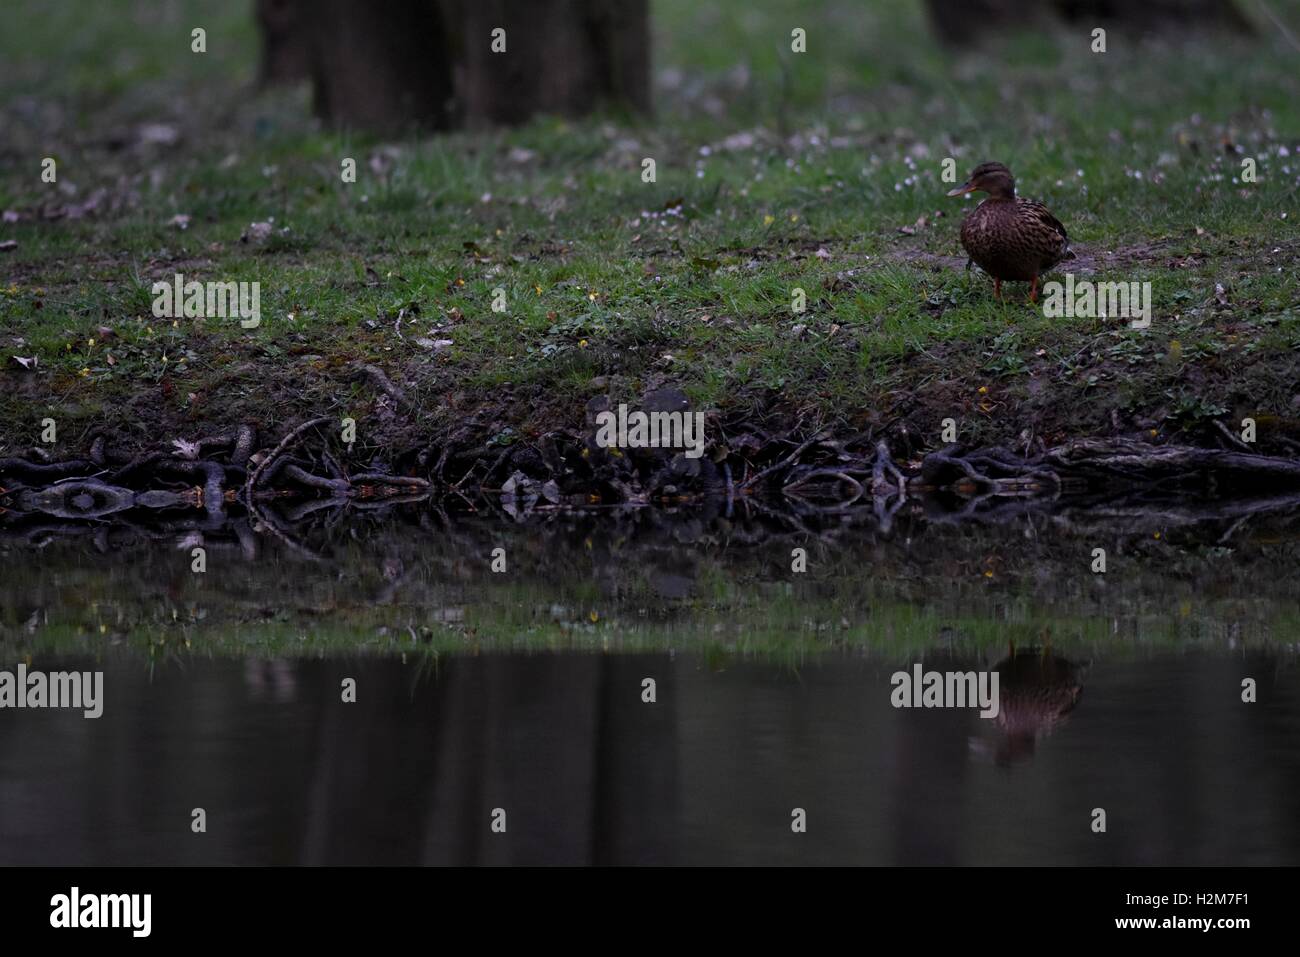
[[208, 475], [297, 522], [805, 475], [814, 492]]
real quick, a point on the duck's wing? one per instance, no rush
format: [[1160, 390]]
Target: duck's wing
[[1042, 221], [1043, 216]]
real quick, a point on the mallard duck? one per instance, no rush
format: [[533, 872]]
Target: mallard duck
[[1009, 237]]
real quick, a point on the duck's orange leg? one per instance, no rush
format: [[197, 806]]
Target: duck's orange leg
[[997, 289], [1033, 291]]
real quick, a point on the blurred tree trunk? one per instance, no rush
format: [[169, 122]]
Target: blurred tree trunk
[[284, 42], [439, 63], [960, 22], [562, 56], [379, 66]]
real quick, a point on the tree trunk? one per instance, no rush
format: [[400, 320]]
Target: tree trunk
[[381, 67], [1156, 15], [284, 41], [443, 63], [962, 22], [561, 56]]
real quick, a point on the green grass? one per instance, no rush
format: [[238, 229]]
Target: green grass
[[774, 171]]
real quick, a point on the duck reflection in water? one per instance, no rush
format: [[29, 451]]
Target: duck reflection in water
[[1037, 691]]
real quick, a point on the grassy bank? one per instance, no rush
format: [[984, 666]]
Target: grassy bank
[[774, 171]]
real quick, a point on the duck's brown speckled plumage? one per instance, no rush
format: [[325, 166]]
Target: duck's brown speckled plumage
[[1009, 237], [1014, 239]]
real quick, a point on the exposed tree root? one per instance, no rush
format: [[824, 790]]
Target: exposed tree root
[[288, 441], [1136, 460], [380, 379]]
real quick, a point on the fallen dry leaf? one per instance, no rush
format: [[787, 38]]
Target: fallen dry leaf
[[920, 223], [186, 450]]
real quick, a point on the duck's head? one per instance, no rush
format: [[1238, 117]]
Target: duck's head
[[993, 178]]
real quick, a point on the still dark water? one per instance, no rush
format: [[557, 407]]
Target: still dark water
[[523, 692]]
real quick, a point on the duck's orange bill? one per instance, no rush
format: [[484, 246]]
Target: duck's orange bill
[[963, 188]]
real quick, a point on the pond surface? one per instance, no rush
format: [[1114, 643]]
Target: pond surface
[[518, 696]]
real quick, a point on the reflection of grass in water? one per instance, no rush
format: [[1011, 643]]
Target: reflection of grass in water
[[592, 585], [783, 626]]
